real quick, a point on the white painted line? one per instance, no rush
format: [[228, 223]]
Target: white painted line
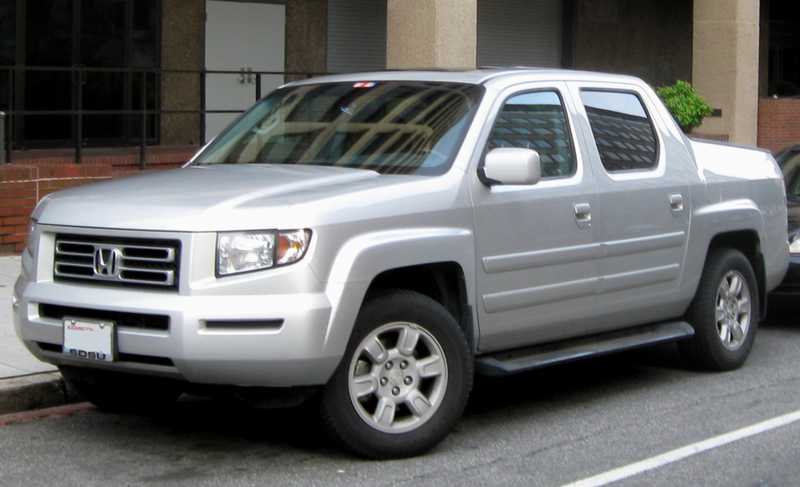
[[684, 452]]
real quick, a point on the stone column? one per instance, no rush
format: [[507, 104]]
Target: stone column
[[306, 38], [182, 47], [725, 66], [431, 34]]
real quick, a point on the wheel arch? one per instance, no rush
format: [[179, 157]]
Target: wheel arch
[[444, 282], [748, 243], [436, 262]]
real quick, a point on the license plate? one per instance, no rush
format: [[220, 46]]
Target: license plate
[[89, 339]]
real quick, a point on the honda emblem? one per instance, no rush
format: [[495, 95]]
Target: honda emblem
[[107, 261]]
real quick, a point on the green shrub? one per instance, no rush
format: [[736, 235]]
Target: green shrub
[[685, 104]]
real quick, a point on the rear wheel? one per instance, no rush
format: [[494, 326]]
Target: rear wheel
[[404, 380], [118, 392], [724, 313]]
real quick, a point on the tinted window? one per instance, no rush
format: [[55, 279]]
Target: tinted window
[[537, 121], [388, 127], [622, 131]]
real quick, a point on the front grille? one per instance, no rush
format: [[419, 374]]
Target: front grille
[[129, 320], [127, 262]]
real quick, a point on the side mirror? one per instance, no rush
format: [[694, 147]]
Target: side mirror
[[511, 165]]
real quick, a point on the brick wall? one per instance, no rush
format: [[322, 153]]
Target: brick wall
[[21, 187], [778, 123], [33, 175]]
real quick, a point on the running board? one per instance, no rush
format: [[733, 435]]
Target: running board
[[520, 360]]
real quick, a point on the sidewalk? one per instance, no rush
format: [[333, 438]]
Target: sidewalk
[[25, 382]]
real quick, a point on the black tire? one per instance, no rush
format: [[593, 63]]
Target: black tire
[[419, 392], [724, 313], [118, 392]]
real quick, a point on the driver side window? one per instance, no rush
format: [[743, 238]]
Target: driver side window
[[537, 120]]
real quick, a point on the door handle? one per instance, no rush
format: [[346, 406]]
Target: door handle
[[245, 75], [583, 215], [676, 203]]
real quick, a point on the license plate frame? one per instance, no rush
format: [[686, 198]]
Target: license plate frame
[[90, 340]]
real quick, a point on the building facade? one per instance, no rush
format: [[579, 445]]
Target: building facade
[[112, 73]]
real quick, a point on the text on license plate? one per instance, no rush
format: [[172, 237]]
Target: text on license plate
[[89, 339]]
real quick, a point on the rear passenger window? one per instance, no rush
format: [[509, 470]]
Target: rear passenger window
[[622, 131], [537, 121]]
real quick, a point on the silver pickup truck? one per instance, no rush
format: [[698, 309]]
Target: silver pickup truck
[[372, 241]]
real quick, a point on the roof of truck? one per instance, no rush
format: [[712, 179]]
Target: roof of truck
[[474, 76]]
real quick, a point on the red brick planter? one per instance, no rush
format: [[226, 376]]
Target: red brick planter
[[33, 175]]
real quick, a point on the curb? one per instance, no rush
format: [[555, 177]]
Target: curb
[[35, 391]]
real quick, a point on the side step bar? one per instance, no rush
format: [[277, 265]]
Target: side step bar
[[520, 360]]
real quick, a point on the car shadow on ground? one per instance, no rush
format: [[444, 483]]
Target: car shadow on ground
[[207, 425], [198, 425], [615, 373], [228, 425], [585, 378], [782, 312]]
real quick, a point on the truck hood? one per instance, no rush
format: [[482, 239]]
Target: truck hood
[[205, 198]]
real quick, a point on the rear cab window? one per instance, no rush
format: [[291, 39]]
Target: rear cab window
[[623, 131]]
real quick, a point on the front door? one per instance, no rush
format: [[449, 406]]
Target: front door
[[536, 268]]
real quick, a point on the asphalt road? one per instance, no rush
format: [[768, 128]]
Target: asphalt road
[[548, 428]]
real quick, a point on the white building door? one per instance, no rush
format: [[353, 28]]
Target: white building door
[[245, 38]]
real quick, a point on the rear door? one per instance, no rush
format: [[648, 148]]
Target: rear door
[[642, 219], [536, 269]]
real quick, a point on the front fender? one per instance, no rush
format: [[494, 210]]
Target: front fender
[[365, 256]]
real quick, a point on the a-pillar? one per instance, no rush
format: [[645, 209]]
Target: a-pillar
[[431, 34], [725, 66]]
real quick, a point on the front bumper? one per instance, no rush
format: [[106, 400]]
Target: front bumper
[[290, 350], [291, 333]]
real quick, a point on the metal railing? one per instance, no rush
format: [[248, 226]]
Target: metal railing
[[14, 74]]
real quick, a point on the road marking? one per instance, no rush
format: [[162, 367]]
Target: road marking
[[652, 463]]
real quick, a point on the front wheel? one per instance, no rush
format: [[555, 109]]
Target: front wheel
[[404, 380], [724, 313]]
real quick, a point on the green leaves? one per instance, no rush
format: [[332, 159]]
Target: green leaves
[[685, 104]]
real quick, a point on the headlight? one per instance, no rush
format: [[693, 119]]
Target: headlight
[[794, 245], [250, 251], [33, 238]]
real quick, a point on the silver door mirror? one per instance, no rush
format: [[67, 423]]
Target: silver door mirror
[[512, 165]]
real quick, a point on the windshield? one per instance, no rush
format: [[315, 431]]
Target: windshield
[[388, 127]]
